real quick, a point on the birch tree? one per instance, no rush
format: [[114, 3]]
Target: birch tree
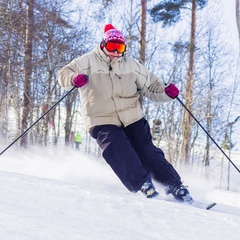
[[238, 18], [27, 101]]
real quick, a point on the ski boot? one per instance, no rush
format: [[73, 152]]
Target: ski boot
[[148, 189], [180, 193]]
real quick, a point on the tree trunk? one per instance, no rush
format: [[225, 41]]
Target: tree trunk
[[70, 111], [27, 103], [68, 122], [187, 120], [143, 31], [238, 17], [142, 57]]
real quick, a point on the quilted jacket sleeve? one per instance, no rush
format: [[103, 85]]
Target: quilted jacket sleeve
[[150, 85], [67, 73]]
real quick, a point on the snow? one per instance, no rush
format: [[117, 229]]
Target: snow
[[54, 194]]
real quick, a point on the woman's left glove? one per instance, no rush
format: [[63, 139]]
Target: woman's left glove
[[172, 91], [80, 80]]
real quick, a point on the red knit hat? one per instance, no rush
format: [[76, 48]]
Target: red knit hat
[[112, 34]]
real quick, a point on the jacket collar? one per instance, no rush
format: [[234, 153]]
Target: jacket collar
[[106, 58]]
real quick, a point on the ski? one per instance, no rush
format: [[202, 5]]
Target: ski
[[202, 205], [192, 203]]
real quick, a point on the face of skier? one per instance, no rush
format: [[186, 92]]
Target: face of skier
[[114, 49], [113, 43], [112, 55]]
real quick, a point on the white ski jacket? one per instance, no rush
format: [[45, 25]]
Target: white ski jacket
[[111, 95]]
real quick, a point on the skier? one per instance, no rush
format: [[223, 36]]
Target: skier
[[110, 85], [78, 140]]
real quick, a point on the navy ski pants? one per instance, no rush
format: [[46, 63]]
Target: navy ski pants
[[132, 156]]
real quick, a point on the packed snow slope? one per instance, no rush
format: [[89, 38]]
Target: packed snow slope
[[62, 194]]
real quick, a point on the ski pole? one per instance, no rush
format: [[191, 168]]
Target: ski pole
[[38, 120], [208, 135]]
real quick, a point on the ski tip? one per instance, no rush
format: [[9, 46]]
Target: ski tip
[[211, 205]]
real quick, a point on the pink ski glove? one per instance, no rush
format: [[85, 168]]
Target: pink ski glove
[[80, 80], [172, 91]]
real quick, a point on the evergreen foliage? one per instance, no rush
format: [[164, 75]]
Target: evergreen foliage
[[169, 12]]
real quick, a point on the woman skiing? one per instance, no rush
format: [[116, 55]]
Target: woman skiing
[[110, 85]]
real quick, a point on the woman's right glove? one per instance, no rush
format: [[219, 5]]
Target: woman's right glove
[[80, 80], [172, 91]]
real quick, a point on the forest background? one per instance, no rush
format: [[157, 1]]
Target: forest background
[[197, 49]]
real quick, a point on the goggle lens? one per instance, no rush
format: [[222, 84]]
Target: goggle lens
[[112, 47]]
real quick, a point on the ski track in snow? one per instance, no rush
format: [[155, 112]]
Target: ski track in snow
[[66, 195]]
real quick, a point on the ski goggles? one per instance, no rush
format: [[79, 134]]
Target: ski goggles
[[113, 46]]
